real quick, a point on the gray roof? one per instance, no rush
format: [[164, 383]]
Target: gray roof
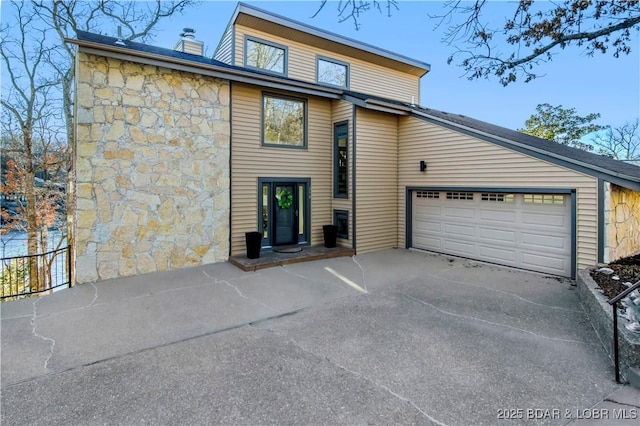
[[618, 172]]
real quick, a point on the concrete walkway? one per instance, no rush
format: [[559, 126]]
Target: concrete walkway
[[387, 337]]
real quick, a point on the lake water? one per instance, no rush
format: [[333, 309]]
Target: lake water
[[15, 243]]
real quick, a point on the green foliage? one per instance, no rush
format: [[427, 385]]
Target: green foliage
[[14, 278], [562, 125]]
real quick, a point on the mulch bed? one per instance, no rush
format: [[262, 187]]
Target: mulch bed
[[627, 269]]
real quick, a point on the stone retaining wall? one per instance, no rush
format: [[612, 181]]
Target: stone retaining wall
[[622, 222], [600, 314], [152, 169]]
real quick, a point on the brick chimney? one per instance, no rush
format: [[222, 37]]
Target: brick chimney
[[189, 44]]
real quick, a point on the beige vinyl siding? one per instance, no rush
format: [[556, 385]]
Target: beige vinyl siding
[[224, 51], [363, 76], [376, 181], [251, 160], [455, 159], [343, 111]]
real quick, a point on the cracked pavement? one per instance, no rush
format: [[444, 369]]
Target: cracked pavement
[[433, 340]]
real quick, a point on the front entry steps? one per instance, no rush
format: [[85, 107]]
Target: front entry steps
[[270, 258]]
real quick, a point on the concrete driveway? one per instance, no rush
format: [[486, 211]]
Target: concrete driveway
[[392, 337]]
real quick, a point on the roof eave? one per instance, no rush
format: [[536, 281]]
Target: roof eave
[[622, 179], [286, 22], [120, 52]]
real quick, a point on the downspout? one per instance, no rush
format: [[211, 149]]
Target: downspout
[[353, 181]]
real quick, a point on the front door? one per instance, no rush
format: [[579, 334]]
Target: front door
[[284, 211], [285, 215]]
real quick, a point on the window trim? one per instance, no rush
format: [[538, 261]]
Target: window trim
[[336, 194], [285, 64], [337, 62], [305, 121], [336, 214]]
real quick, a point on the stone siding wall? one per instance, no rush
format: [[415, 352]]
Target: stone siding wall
[[622, 222], [152, 169]]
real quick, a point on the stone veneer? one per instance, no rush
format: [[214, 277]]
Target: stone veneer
[[600, 315], [621, 221], [152, 169]]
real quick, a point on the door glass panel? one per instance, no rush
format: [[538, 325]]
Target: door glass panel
[[301, 212], [265, 211]]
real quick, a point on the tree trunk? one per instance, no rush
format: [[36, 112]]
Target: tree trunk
[[32, 219]]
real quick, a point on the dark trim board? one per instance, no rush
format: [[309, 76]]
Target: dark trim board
[[567, 191], [354, 121], [601, 230], [230, 166]]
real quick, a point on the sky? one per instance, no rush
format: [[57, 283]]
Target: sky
[[599, 84]]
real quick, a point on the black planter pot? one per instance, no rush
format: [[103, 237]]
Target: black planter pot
[[254, 242], [330, 234]]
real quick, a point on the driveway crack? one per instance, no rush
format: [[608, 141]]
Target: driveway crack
[[491, 322], [364, 283], [504, 292], [34, 317], [385, 388], [238, 291]]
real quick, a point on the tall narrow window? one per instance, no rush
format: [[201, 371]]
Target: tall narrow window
[[266, 56], [335, 73], [341, 160]]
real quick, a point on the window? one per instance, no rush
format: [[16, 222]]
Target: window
[[340, 160], [427, 194], [503, 198], [284, 121], [544, 199], [341, 220], [265, 56], [333, 72], [459, 195]]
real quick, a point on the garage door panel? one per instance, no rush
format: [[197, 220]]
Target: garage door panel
[[555, 219], [454, 230], [544, 241], [428, 243], [498, 255], [498, 216], [466, 213], [460, 248], [429, 211], [492, 234], [532, 236], [430, 226], [537, 261]]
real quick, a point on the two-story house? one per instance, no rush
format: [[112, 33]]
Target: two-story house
[[289, 128]]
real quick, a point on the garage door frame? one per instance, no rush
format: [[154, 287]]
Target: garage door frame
[[571, 192]]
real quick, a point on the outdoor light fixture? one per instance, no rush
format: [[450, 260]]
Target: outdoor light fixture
[[423, 166]]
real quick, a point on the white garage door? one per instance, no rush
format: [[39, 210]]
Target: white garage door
[[529, 231]]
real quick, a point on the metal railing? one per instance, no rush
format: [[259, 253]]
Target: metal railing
[[614, 303], [38, 273]]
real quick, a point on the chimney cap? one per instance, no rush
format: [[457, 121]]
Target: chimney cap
[[188, 33]]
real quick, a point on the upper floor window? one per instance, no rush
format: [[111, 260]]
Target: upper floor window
[[265, 55], [284, 121], [333, 72]]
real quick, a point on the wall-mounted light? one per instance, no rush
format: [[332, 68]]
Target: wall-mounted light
[[423, 166]]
